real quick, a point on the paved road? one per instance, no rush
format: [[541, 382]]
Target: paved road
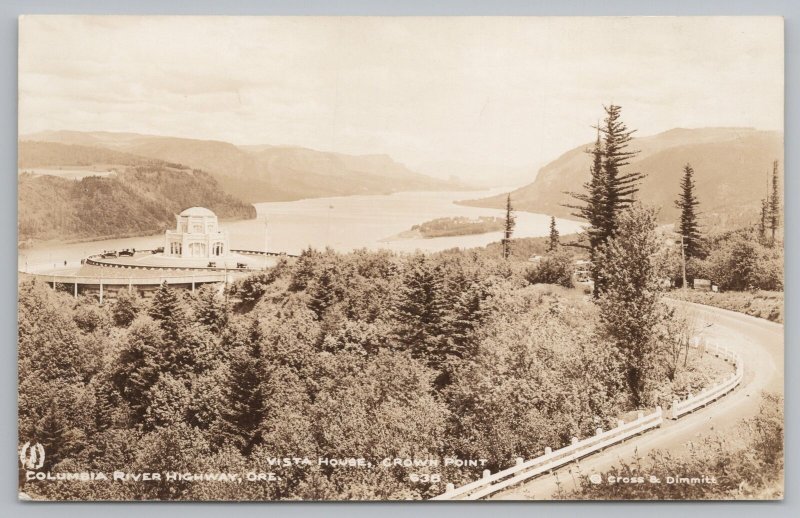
[[760, 344]]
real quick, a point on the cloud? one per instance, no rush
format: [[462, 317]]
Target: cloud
[[505, 91]]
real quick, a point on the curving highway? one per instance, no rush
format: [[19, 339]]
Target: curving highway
[[760, 344]]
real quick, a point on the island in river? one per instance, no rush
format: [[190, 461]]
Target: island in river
[[454, 226]]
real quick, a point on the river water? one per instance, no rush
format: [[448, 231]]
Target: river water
[[342, 223]]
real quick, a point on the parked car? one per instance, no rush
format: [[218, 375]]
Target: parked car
[[109, 253], [212, 264], [157, 250], [126, 253], [241, 265]]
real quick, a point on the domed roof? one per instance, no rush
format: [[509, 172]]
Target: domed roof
[[197, 211]]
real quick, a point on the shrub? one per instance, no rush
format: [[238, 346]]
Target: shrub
[[555, 268], [740, 262]]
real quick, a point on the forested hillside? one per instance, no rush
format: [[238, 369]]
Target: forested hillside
[[137, 200], [365, 355], [262, 172]]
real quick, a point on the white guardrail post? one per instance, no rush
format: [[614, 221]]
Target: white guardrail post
[[693, 402], [552, 459]]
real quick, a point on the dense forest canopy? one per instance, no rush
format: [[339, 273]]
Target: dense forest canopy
[[367, 354]]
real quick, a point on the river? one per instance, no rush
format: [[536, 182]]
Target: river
[[342, 223]]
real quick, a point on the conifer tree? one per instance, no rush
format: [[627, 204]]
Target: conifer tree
[[244, 394], [322, 291], [508, 228], [609, 190], [688, 225], [417, 311], [592, 208], [774, 202], [763, 222], [106, 402], [51, 431], [469, 312], [211, 309], [620, 187], [139, 364], [185, 351], [167, 309], [553, 243], [304, 268]]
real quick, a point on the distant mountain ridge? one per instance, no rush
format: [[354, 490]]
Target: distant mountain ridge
[[263, 173], [731, 168]]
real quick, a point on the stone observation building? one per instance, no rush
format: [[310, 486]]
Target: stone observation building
[[197, 234]]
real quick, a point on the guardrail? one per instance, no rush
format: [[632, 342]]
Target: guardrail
[[98, 260], [553, 459], [125, 281], [261, 252], [693, 402]]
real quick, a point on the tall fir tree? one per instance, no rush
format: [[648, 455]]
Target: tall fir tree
[[185, 350], [244, 393], [417, 310], [469, 313], [592, 208], [553, 243], [774, 202], [508, 228], [139, 364], [609, 190], [322, 290], [52, 431], [592, 201], [764, 221], [211, 309], [620, 187], [688, 226], [168, 310]]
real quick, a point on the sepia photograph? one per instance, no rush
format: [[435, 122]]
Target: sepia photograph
[[348, 258]]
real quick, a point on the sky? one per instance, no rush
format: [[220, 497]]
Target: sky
[[503, 92]]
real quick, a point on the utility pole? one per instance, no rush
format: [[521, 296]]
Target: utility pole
[[683, 262]]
